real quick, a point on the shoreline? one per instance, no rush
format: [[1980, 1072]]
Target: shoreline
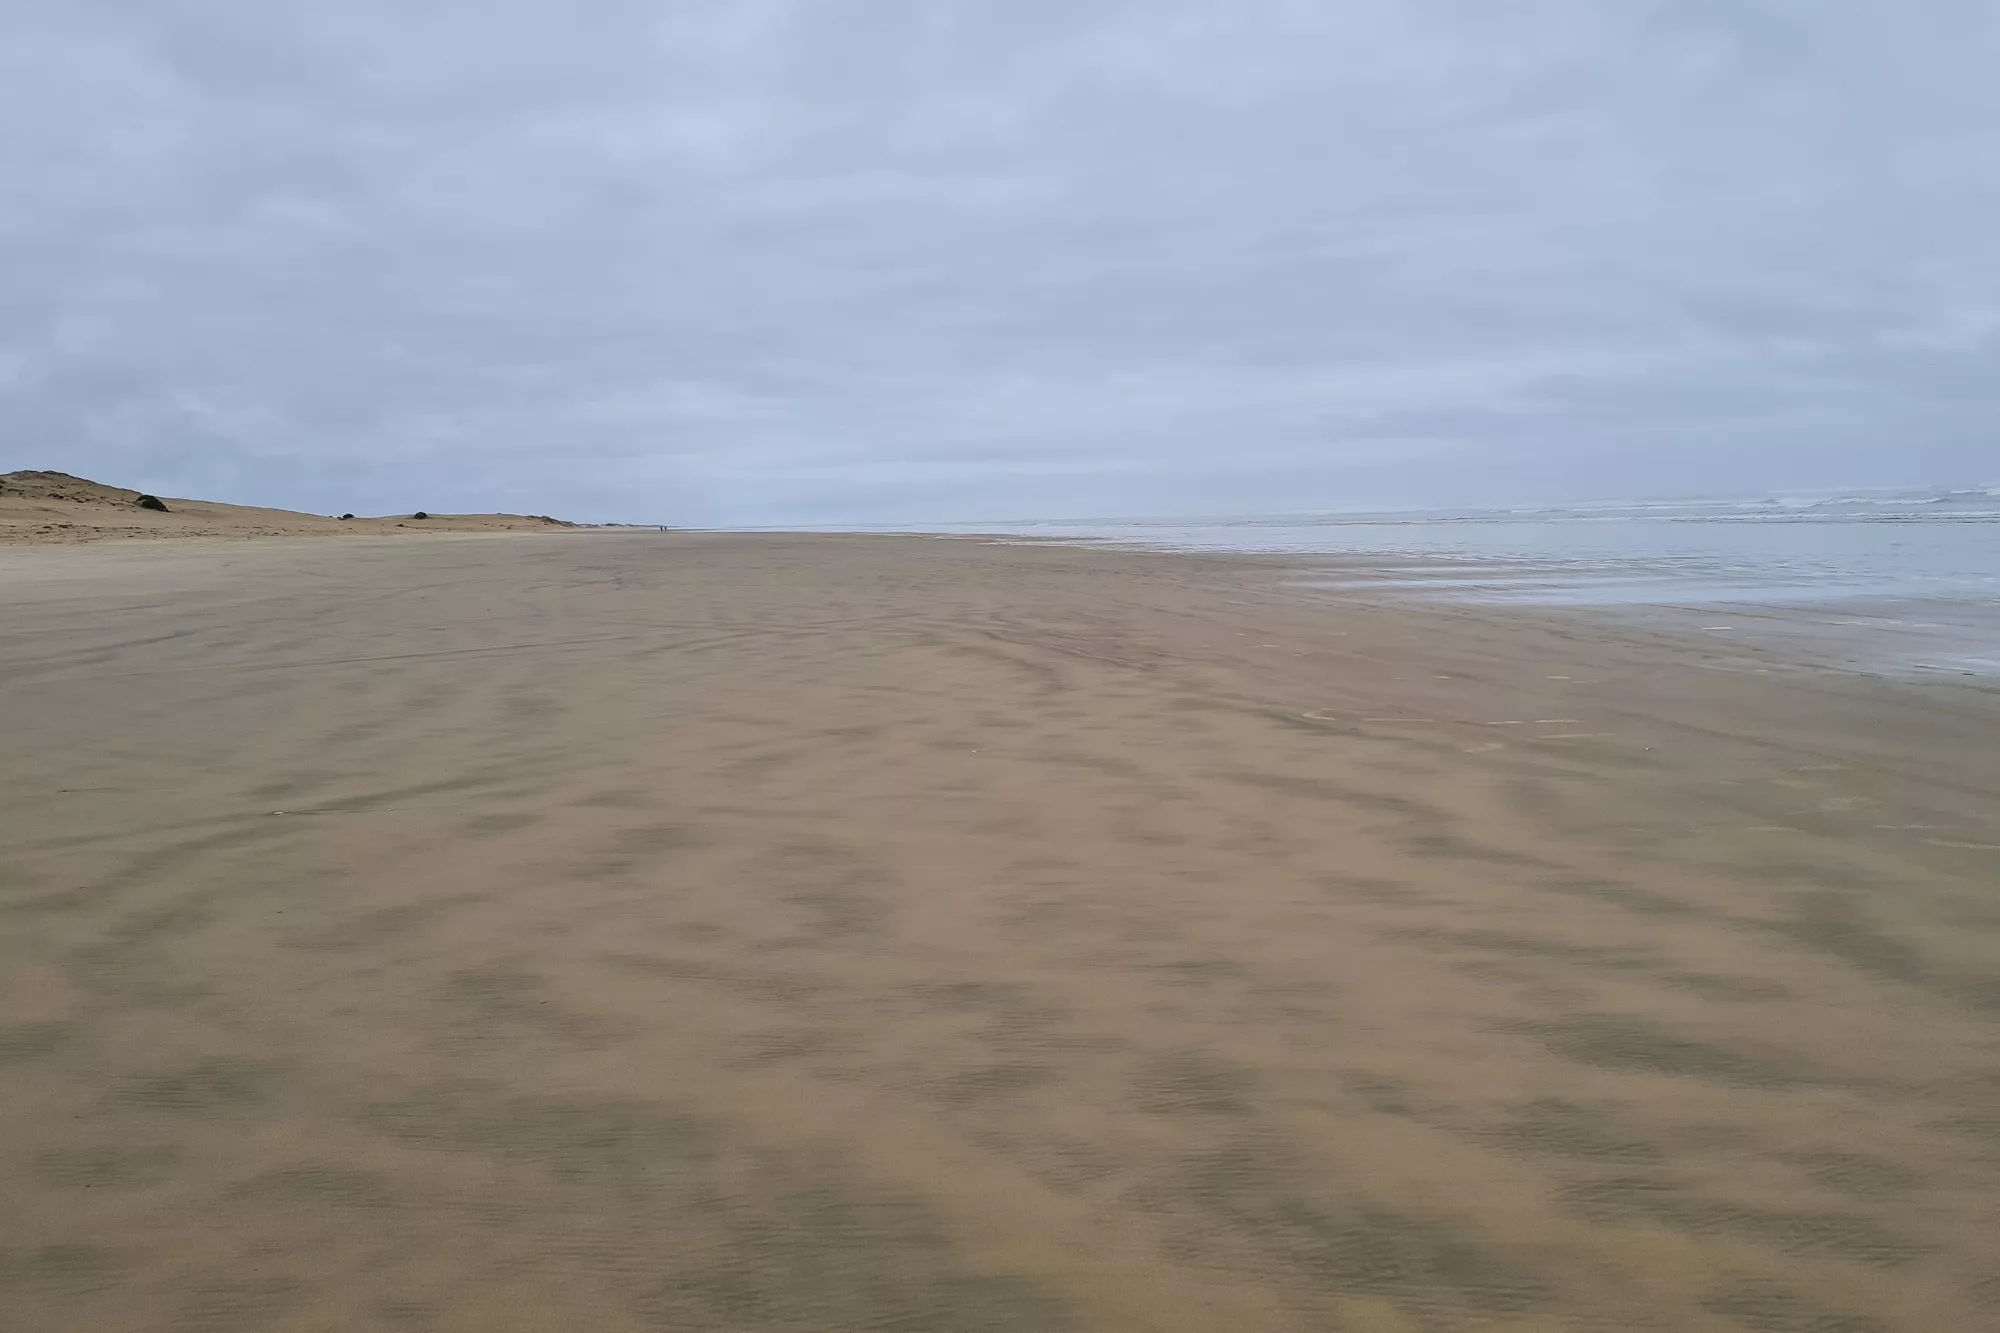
[[1865, 634], [626, 926], [1909, 595]]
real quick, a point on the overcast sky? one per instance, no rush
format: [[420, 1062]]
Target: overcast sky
[[821, 260]]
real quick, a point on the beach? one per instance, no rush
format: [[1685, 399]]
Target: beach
[[638, 931]]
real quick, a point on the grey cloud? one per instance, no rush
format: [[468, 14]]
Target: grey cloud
[[794, 260]]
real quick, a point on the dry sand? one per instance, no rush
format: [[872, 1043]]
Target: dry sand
[[623, 932]]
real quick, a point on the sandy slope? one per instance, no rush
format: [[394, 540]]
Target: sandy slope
[[45, 508], [674, 932]]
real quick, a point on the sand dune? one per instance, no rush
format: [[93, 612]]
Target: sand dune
[[42, 508], [625, 932]]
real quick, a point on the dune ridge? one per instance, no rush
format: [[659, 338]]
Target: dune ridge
[[41, 507]]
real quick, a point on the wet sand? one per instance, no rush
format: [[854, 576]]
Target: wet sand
[[621, 932]]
